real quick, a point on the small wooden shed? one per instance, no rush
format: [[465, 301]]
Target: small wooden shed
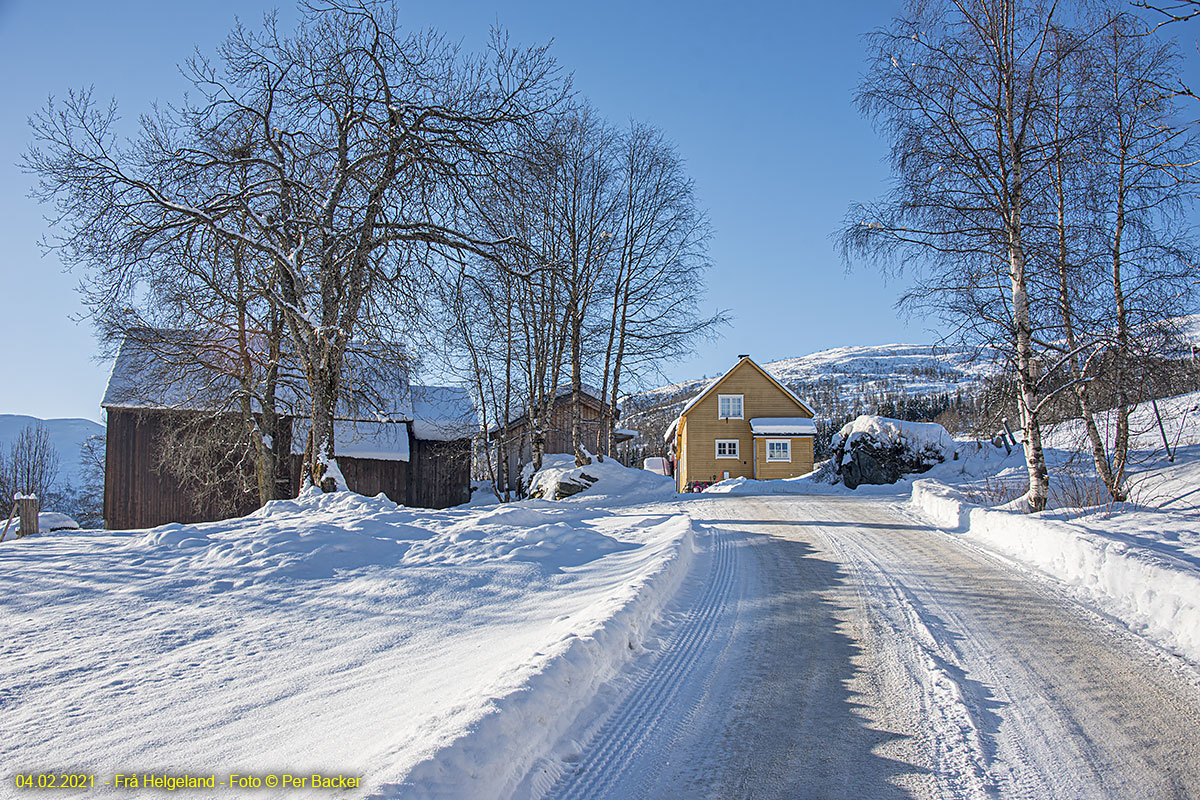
[[516, 437]]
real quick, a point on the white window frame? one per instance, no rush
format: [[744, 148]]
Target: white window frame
[[741, 401], [786, 443], [737, 448]]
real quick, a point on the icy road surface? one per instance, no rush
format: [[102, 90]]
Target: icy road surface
[[833, 647]]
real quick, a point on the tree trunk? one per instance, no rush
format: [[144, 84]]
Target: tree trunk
[[1122, 354], [1035, 457], [323, 471], [1078, 373], [581, 458]]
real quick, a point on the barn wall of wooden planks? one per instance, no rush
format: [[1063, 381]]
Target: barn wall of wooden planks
[[139, 494]]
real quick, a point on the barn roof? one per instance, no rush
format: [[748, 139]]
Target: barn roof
[[382, 441], [162, 372], [588, 392]]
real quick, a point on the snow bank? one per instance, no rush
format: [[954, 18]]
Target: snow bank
[[941, 505], [559, 478], [1155, 593], [434, 653], [522, 726]]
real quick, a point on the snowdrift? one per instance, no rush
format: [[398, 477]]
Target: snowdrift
[[431, 653], [495, 754]]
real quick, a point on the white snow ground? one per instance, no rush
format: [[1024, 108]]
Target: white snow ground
[[606, 646], [425, 652], [1138, 561], [837, 648]]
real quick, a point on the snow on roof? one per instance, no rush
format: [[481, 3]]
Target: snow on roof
[[783, 426], [384, 441], [671, 429], [165, 373], [586, 388], [708, 387], [442, 413], [152, 376], [713, 383]]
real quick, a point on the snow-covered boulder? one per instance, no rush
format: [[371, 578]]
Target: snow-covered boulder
[[559, 478], [881, 450]]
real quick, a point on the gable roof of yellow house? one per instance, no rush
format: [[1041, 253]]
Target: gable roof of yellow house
[[745, 423]]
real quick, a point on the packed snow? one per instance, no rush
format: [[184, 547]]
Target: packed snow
[[427, 653]]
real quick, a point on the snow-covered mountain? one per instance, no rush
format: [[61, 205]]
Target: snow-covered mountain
[[65, 434], [847, 377], [911, 369]]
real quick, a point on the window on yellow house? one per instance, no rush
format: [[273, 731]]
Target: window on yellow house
[[729, 406], [779, 449]]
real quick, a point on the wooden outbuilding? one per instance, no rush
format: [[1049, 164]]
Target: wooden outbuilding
[[517, 436], [747, 424], [417, 452]]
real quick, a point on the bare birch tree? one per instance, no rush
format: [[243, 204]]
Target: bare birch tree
[[661, 258], [31, 467], [956, 86], [360, 145], [1139, 196]]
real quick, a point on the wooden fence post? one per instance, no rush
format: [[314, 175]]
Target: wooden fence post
[[11, 514], [27, 508]]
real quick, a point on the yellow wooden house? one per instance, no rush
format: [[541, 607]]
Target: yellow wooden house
[[744, 424]]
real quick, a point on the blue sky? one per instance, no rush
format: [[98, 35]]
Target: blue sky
[[758, 97]]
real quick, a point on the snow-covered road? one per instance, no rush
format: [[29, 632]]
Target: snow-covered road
[[835, 647]]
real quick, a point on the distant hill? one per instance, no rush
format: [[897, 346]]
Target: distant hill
[[65, 434], [855, 373], [839, 383]]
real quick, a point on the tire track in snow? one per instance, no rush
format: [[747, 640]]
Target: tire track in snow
[[1077, 709], [618, 743], [942, 692]]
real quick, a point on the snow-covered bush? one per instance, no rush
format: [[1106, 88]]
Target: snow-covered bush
[[881, 450]]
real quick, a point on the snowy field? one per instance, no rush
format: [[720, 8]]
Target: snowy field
[[421, 652], [593, 646]]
